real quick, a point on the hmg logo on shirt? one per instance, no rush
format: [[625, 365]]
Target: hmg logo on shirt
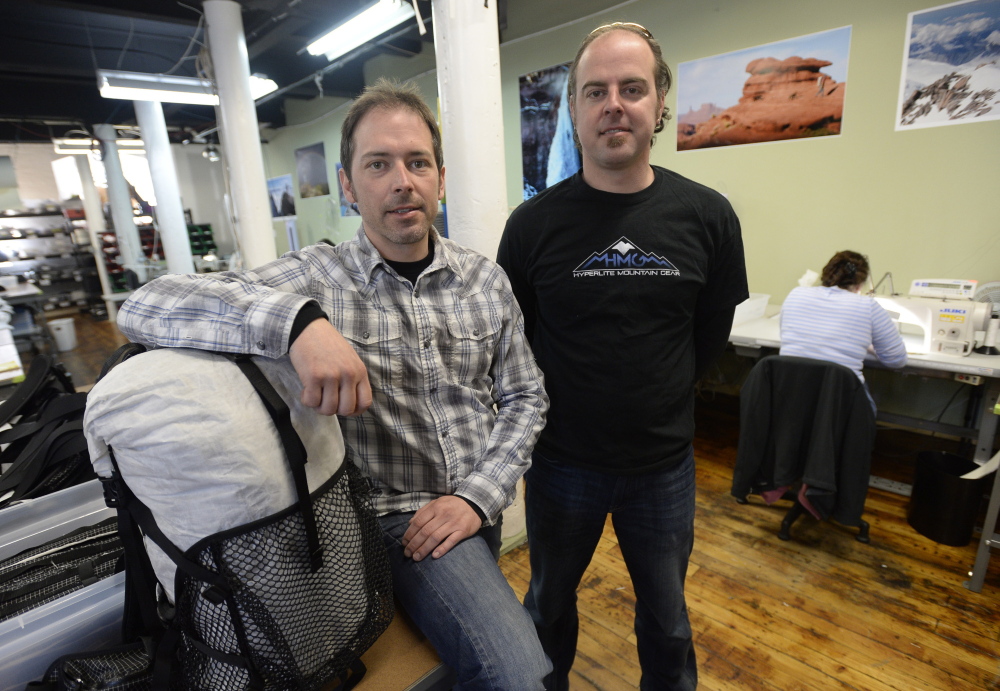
[[625, 259]]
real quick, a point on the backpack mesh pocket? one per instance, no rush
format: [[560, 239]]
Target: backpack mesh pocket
[[282, 625]]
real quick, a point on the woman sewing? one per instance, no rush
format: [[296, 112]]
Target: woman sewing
[[835, 322]]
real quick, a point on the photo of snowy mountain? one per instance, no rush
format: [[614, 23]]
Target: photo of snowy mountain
[[951, 66]]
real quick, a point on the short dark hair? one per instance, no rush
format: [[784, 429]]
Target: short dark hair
[[387, 95], [661, 71], [845, 270]]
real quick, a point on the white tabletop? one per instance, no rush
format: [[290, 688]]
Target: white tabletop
[[22, 290], [766, 332]]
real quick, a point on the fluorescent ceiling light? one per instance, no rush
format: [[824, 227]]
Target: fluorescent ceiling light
[[361, 28], [261, 86], [85, 146], [166, 88]]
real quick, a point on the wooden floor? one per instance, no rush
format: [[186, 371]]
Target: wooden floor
[[822, 611], [96, 340]]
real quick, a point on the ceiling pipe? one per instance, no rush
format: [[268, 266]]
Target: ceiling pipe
[[336, 64]]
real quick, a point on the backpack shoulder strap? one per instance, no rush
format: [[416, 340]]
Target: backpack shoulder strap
[[119, 356], [295, 450]]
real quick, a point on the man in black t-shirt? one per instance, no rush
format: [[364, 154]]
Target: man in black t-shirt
[[628, 276]]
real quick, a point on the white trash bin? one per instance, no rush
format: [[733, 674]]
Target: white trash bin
[[64, 332]]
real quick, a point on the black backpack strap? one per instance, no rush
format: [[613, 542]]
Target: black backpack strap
[[59, 407], [36, 380], [140, 615], [295, 450], [40, 459], [61, 378], [353, 676], [66, 461], [119, 356]]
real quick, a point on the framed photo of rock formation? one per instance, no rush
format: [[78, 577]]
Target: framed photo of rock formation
[[791, 89], [951, 66]]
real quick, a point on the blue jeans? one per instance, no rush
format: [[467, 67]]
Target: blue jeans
[[653, 517], [465, 607]]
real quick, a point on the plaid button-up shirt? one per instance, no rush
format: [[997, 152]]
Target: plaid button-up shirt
[[458, 401]]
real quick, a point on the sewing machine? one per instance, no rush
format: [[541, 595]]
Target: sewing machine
[[944, 313]]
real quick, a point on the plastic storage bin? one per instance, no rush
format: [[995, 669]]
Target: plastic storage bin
[[943, 505], [50, 516], [87, 619]]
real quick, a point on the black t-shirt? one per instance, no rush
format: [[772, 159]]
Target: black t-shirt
[[612, 287], [411, 270]]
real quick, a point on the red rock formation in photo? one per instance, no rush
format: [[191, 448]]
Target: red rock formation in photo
[[782, 99], [694, 117]]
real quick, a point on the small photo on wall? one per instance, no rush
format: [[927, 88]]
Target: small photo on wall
[[279, 191], [310, 166], [548, 153], [792, 89], [951, 66], [346, 208]]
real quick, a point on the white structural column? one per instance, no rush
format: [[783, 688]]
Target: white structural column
[[129, 247], [96, 228], [467, 46], [169, 209], [239, 132]]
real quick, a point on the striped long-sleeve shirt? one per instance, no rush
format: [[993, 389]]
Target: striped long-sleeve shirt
[[829, 323], [458, 401]]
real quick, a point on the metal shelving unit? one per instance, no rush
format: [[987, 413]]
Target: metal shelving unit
[[47, 250]]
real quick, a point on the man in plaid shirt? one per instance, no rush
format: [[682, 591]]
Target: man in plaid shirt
[[418, 344]]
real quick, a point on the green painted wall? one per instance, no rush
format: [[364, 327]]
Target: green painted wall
[[919, 203], [312, 121]]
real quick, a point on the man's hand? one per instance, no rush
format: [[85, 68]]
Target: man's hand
[[438, 526], [334, 379]]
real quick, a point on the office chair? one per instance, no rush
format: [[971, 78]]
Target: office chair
[[806, 433]]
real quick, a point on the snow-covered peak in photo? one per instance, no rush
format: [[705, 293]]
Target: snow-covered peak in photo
[[939, 92]]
